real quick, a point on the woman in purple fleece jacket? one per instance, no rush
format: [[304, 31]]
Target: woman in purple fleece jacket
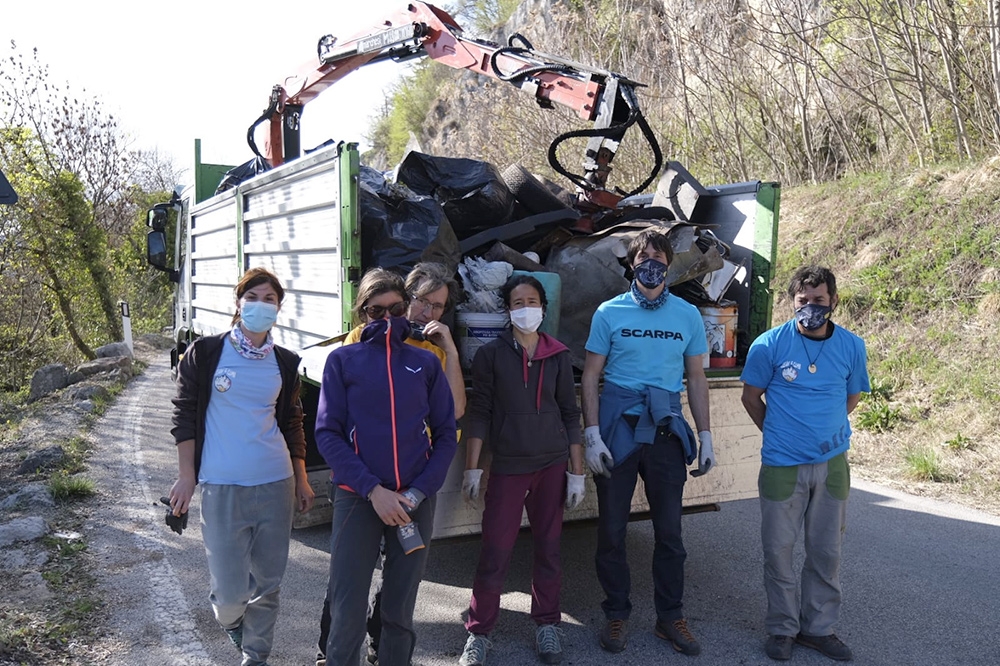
[[377, 401], [524, 404]]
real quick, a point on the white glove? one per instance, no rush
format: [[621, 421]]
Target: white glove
[[574, 490], [598, 457], [470, 484], [706, 456]]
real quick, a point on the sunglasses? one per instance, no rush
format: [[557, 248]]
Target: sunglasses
[[378, 311]]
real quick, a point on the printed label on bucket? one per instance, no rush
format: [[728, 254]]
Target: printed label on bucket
[[475, 330]]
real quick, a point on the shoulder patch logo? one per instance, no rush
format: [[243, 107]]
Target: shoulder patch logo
[[413, 370]]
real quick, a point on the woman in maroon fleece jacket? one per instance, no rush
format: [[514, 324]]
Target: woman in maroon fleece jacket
[[524, 404]]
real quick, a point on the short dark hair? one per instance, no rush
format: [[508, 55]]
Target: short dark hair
[[518, 280], [653, 237], [812, 276]]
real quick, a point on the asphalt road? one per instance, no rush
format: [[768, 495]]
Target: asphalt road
[[921, 578]]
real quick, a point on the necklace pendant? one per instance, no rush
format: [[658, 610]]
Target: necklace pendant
[[812, 368]]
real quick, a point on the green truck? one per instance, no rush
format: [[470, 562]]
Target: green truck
[[301, 221]]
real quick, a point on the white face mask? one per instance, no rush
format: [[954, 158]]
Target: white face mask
[[526, 319]]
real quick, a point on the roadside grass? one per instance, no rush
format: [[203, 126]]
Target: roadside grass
[[53, 625], [917, 259], [45, 633], [66, 487]]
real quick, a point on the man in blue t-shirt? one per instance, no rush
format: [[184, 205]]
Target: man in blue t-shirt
[[813, 373], [645, 341]]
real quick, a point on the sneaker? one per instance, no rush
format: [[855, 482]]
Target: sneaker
[[679, 636], [548, 645], [475, 651], [236, 636], [831, 646], [779, 647], [615, 635]]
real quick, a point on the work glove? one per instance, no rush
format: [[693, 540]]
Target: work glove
[[706, 456], [598, 457], [414, 496], [470, 484], [575, 490], [176, 523]]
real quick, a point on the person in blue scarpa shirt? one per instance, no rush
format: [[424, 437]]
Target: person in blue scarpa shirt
[[813, 373], [645, 342]]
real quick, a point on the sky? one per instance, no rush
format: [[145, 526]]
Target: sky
[[175, 71]]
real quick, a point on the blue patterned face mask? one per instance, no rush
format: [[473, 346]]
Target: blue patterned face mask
[[812, 316], [650, 273]]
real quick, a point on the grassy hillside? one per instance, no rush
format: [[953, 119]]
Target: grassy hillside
[[917, 258]]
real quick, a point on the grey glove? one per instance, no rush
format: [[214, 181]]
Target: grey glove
[[470, 484], [575, 489], [414, 496], [706, 456], [596, 452]]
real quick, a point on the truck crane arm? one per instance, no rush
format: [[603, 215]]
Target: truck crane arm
[[419, 30]]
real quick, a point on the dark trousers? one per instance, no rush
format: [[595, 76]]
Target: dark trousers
[[374, 624], [663, 471], [354, 547], [542, 494]]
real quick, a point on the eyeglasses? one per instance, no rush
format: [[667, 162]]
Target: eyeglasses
[[423, 305], [397, 309]]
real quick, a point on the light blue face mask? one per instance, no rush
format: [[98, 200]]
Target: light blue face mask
[[258, 316]]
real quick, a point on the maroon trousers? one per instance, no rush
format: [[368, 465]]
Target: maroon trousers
[[543, 494]]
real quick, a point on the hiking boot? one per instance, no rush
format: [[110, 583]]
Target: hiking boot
[[615, 635], [236, 636], [779, 647], [475, 651], [831, 646], [679, 636], [548, 645]]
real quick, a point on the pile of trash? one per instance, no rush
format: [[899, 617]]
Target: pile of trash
[[485, 224]]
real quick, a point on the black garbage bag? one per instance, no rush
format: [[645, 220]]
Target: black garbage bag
[[240, 173], [400, 228], [472, 192]]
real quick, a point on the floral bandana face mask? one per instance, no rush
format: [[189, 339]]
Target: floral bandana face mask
[[812, 316], [650, 273]]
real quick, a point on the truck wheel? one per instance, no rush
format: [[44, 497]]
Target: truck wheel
[[532, 194]]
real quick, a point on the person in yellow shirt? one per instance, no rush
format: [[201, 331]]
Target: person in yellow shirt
[[432, 291]]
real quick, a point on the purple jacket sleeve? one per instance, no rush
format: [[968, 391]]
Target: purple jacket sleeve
[[333, 432], [441, 421]]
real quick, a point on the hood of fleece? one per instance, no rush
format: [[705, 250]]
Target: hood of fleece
[[547, 345], [393, 330]]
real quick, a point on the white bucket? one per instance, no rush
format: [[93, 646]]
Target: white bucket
[[475, 329], [720, 329]]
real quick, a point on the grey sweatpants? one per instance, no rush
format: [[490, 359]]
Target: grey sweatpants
[[813, 496], [354, 547], [246, 530]]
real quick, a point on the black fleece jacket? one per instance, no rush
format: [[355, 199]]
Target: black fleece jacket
[[525, 411]]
